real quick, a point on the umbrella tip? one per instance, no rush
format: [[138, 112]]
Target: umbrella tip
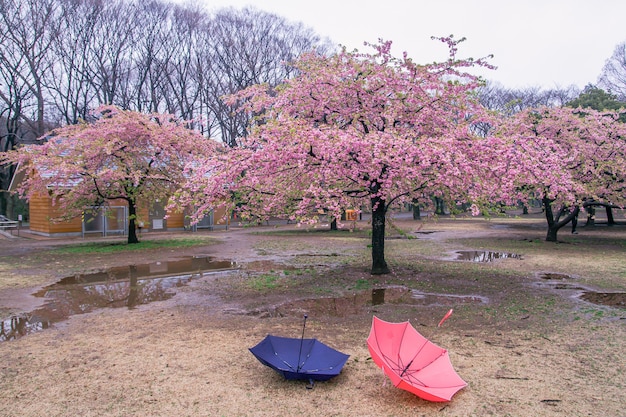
[[448, 314]]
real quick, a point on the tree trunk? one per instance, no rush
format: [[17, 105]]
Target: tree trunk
[[555, 224], [333, 224], [591, 216], [440, 207], [417, 215], [4, 198], [379, 265], [610, 220], [552, 229], [132, 216]]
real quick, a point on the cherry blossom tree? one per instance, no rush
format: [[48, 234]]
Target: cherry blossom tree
[[352, 130], [123, 155], [570, 157]]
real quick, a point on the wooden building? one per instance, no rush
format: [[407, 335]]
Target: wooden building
[[110, 220]]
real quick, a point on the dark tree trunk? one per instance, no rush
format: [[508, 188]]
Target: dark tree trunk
[[591, 213], [333, 224], [379, 265], [591, 216], [610, 220], [417, 215], [4, 203], [555, 224], [132, 217], [552, 229], [440, 207]]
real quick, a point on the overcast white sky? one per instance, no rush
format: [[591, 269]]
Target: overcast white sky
[[545, 43]]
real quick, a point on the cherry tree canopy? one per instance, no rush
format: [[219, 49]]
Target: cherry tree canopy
[[569, 156], [121, 155], [354, 130]]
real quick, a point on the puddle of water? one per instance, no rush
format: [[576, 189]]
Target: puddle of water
[[484, 256], [559, 285], [188, 265], [355, 303], [611, 299], [128, 286], [554, 276]]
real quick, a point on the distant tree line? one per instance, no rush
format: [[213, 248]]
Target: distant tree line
[[608, 93], [60, 59], [509, 101]]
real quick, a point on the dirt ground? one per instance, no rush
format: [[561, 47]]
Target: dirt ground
[[520, 334]]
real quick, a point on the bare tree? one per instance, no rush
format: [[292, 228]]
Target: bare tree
[[508, 101], [61, 58], [111, 50], [28, 28], [248, 47], [68, 80], [151, 54], [180, 74], [613, 75]]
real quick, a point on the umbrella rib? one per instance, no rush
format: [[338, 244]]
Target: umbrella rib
[[398, 361], [287, 363], [307, 356], [414, 356], [280, 357], [404, 370], [420, 350]]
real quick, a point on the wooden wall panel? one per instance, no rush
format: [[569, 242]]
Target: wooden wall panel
[[175, 221], [220, 217], [42, 211], [39, 213]]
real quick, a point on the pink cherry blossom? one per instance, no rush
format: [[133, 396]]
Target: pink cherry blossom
[[125, 155], [353, 130]]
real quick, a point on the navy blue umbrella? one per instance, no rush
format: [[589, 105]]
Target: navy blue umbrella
[[305, 359]]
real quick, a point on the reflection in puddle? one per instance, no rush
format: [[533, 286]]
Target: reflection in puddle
[[355, 303], [554, 276], [378, 296], [611, 299], [559, 286], [128, 286], [484, 256]]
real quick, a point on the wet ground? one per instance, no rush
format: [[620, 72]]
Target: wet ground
[[137, 284], [521, 333], [122, 286]]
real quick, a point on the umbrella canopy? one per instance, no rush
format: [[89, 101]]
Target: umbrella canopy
[[307, 359], [412, 362]]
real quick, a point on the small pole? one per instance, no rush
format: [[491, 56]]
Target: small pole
[[301, 340]]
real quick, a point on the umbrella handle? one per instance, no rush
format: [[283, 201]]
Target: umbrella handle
[[301, 340]]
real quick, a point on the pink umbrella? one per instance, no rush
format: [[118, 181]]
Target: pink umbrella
[[412, 362]]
